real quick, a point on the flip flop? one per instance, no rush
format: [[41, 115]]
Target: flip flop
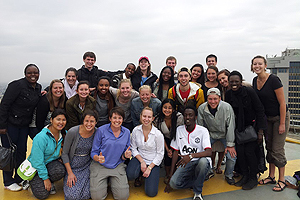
[[279, 186], [263, 181]]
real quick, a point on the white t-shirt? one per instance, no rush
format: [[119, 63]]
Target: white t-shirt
[[193, 142]]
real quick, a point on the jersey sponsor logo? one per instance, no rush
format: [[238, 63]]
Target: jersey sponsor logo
[[189, 150], [197, 140]]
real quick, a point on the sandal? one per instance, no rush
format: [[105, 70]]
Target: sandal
[[264, 181], [219, 171], [281, 188]]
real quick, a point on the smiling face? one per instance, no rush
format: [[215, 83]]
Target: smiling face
[[116, 120], [89, 62], [213, 100], [57, 89], [258, 66], [235, 82], [211, 75], [196, 73], [223, 79], [32, 75], [71, 78], [189, 117], [83, 91], [167, 109], [103, 86], [147, 117], [183, 78], [125, 89], [89, 123], [58, 122], [144, 64], [211, 61], [171, 63], [129, 70], [145, 95], [166, 74]]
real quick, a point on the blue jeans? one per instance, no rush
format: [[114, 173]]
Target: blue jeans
[[192, 175], [18, 135], [151, 183], [230, 162]]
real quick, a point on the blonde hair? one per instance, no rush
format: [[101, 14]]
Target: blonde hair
[[147, 87], [123, 81], [146, 108]]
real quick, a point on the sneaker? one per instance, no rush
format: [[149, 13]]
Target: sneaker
[[24, 185], [197, 197], [53, 190], [252, 183], [223, 161], [209, 175], [230, 181], [13, 187]]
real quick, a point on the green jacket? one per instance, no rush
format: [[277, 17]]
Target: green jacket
[[75, 113]]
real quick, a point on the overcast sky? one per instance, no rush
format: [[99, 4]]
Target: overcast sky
[[55, 34]]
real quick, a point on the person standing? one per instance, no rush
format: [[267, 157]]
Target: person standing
[[270, 92], [16, 112]]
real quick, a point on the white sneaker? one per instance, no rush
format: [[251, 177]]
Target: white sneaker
[[197, 197], [24, 184], [53, 190], [13, 187]]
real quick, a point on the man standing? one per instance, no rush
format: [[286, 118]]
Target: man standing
[[172, 62], [129, 70], [185, 92], [193, 146], [218, 117], [211, 60], [89, 72]]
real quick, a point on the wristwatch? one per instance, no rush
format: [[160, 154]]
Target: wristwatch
[[191, 157]]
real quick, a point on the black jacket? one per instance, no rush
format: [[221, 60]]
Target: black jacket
[[93, 76], [136, 79], [18, 103]]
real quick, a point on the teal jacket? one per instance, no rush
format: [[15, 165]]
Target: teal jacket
[[43, 146]]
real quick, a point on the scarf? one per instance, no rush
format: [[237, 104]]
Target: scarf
[[68, 90]]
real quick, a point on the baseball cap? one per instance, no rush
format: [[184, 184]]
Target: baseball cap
[[144, 57], [214, 91], [184, 69]]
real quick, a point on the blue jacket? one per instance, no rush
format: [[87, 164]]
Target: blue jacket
[[43, 146], [137, 107]]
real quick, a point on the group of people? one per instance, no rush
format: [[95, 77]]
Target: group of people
[[96, 128]]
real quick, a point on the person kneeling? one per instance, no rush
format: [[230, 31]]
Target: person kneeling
[[193, 146], [110, 149]]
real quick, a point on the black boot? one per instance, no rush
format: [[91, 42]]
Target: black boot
[[252, 183], [242, 181]]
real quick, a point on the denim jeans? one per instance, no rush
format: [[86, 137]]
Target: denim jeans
[[151, 183], [230, 162], [192, 175]]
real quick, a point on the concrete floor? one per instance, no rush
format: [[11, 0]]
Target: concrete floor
[[214, 188]]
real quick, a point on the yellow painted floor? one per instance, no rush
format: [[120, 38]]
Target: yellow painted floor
[[215, 185]]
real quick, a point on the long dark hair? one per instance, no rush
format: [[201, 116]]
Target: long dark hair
[[161, 81], [202, 77], [161, 117]]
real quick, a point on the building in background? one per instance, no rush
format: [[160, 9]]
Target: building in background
[[287, 68]]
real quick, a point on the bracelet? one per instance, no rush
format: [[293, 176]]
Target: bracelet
[[149, 167], [191, 157]]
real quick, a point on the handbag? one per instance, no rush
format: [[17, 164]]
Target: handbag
[[8, 156], [248, 135], [26, 171]]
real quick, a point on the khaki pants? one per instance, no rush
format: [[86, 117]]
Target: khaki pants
[[275, 141], [99, 181]]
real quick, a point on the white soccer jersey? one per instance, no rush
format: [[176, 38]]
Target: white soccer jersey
[[194, 142]]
